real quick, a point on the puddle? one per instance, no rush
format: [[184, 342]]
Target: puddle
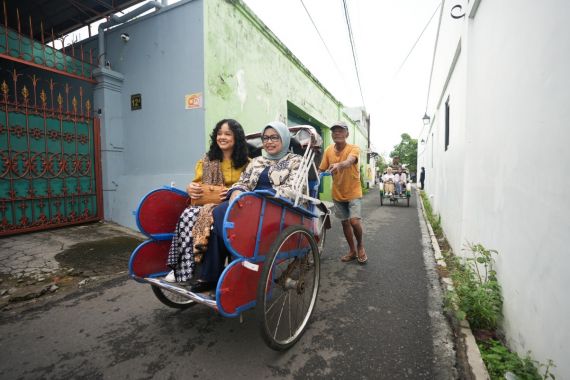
[[100, 257]]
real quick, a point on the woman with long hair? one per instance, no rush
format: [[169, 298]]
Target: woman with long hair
[[221, 165], [274, 171]]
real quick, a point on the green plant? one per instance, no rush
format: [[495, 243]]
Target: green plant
[[477, 298], [434, 221], [500, 360], [477, 292]]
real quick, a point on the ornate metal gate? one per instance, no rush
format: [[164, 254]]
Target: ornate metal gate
[[49, 141]]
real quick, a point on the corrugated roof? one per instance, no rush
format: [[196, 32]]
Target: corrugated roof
[[61, 16]]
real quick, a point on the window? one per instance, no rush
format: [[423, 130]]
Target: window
[[447, 124]]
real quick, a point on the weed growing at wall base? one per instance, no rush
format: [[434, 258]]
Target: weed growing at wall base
[[434, 220], [477, 292], [504, 364], [477, 298]]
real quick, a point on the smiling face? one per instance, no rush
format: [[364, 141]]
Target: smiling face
[[271, 141], [225, 138]]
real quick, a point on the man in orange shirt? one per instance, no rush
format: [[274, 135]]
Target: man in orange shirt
[[341, 160]]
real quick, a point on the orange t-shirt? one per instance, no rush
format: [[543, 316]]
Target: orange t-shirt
[[346, 182]]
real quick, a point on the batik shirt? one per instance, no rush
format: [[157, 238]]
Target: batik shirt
[[282, 174]]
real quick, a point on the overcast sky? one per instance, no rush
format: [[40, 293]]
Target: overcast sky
[[384, 31]]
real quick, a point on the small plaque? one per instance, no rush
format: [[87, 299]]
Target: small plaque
[[136, 102], [193, 101]]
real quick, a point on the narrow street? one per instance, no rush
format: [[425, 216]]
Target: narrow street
[[378, 321]]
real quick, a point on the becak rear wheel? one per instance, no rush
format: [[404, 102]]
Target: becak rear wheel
[[288, 287]]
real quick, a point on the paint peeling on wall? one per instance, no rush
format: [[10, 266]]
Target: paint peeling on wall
[[241, 87]]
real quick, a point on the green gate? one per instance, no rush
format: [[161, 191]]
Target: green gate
[[49, 141]]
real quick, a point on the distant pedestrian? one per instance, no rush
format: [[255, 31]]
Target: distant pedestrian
[[341, 160], [422, 177]]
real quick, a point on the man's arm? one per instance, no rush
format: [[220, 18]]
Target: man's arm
[[343, 164]]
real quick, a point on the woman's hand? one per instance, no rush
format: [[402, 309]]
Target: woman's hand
[[223, 194], [194, 190]]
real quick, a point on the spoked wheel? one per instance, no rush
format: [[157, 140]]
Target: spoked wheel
[[288, 287], [172, 299]]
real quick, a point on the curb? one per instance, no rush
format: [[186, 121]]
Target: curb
[[473, 354]]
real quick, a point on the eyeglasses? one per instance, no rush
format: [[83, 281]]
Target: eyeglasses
[[272, 138]]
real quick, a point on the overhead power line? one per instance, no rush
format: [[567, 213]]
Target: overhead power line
[[433, 56], [322, 40], [433, 63], [418, 39], [351, 38]]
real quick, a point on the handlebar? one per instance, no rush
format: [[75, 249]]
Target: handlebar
[[321, 176]]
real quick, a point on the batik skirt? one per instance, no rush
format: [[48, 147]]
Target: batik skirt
[[181, 255]]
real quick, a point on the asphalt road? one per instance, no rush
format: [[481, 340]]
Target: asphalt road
[[378, 321]]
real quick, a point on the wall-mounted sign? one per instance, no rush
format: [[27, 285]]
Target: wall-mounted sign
[[193, 101], [136, 102]]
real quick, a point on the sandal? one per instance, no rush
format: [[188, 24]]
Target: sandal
[[362, 258], [348, 257]]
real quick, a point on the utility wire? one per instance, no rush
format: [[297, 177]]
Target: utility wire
[[432, 64], [351, 37], [433, 57], [322, 40], [418, 39]]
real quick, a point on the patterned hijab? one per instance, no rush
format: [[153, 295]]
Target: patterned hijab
[[283, 132]]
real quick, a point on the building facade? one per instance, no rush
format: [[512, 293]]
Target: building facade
[[185, 67], [495, 154]]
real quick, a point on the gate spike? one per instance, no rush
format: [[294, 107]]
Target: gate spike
[[6, 26]]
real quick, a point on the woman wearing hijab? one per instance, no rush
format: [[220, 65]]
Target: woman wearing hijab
[[273, 171]]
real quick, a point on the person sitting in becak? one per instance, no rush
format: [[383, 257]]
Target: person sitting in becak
[[402, 181], [221, 165], [275, 172], [388, 180], [397, 183]]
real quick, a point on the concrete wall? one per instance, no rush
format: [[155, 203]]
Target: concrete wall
[[216, 48], [148, 148], [502, 181], [251, 75]]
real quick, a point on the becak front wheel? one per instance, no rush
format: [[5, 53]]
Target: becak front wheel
[[288, 287], [172, 299]]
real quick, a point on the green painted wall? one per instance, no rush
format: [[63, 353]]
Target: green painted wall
[[251, 76]]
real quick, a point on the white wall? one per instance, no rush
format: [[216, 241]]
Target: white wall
[[446, 182], [515, 56], [445, 168]]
